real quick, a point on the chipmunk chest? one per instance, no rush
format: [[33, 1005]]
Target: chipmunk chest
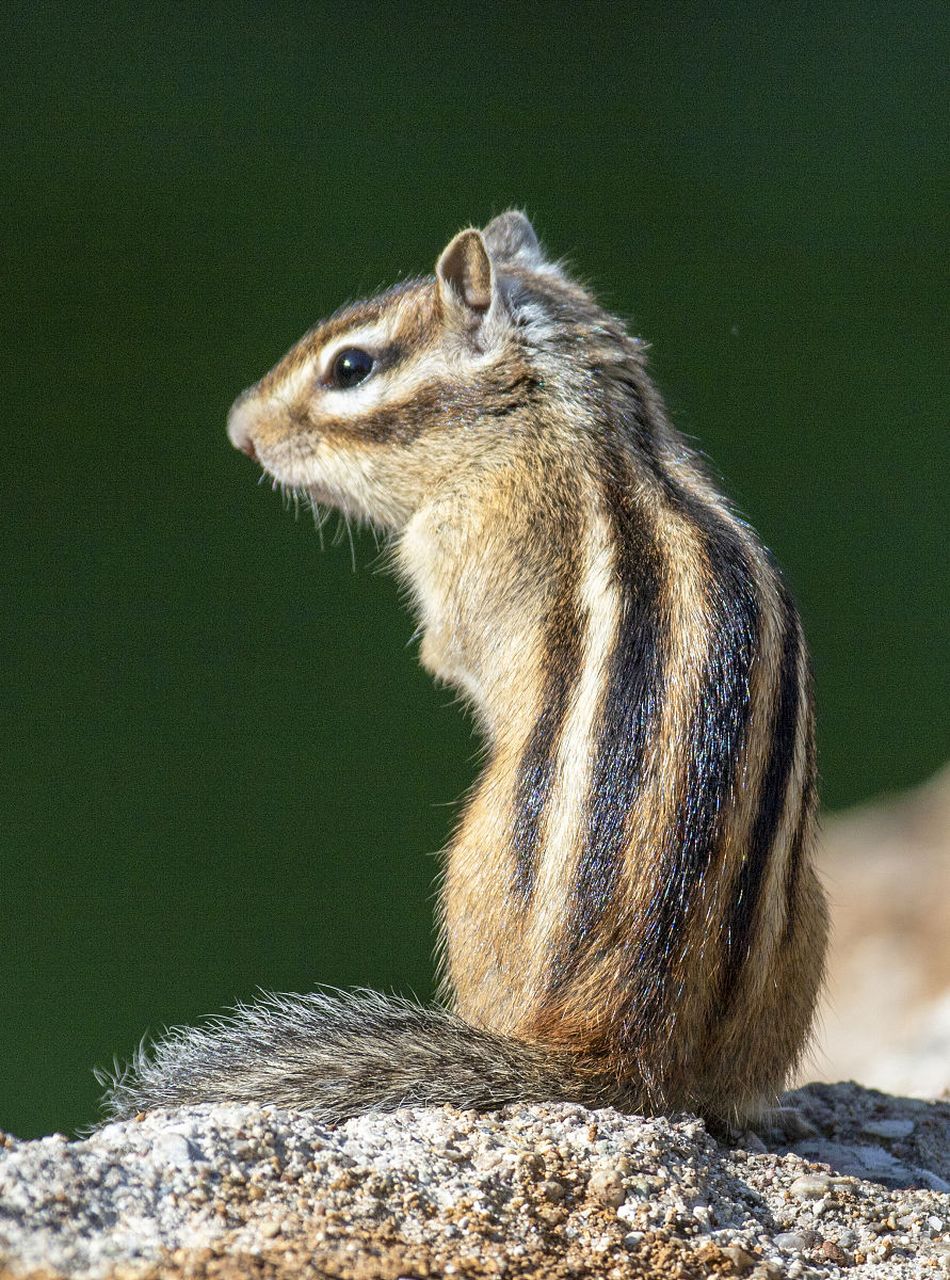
[[472, 593]]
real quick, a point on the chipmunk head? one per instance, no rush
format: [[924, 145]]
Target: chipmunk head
[[380, 408]]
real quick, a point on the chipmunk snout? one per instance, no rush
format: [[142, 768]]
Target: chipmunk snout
[[240, 420]]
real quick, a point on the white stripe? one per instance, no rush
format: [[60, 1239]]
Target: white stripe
[[599, 596]]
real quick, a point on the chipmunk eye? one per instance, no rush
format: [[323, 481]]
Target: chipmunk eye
[[350, 366]]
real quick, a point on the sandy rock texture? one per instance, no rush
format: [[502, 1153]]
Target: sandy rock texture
[[886, 1014], [848, 1182]]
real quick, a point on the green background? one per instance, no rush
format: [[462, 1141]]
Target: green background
[[222, 765]]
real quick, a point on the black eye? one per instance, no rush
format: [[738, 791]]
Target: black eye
[[350, 366]]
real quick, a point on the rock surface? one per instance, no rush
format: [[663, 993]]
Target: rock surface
[[848, 1182]]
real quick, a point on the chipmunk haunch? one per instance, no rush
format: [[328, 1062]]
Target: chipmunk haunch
[[629, 912]]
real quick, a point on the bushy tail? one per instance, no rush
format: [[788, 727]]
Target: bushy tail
[[342, 1054]]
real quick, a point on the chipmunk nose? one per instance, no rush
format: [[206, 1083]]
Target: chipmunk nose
[[240, 420], [247, 446]]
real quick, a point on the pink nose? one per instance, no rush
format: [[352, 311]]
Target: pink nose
[[240, 421]]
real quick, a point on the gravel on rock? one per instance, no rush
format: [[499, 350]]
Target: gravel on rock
[[845, 1182]]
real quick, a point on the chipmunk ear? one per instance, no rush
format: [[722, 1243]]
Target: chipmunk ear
[[465, 276], [510, 237]]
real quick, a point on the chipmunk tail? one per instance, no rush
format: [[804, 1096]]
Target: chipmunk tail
[[342, 1054]]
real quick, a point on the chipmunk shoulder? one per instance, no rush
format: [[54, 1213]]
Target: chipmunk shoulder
[[630, 912]]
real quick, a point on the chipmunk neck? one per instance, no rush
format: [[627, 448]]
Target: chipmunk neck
[[494, 571]]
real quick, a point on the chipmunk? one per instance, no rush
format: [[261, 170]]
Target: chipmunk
[[629, 913]]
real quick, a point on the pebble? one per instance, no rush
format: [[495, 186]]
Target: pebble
[[810, 1186], [175, 1149], [606, 1185], [889, 1128], [789, 1240], [741, 1258], [833, 1253], [767, 1270]]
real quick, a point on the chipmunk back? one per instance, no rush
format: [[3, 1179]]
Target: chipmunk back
[[629, 912]]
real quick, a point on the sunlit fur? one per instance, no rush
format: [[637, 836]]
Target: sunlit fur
[[629, 911]]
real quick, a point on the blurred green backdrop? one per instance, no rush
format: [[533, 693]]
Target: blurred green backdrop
[[222, 766]]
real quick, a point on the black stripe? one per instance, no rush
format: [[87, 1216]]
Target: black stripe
[[714, 738], [391, 424], [538, 762], [713, 748], [631, 705], [773, 790], [510, 392]]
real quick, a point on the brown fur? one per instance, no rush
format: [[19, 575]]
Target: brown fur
[[629, 890]]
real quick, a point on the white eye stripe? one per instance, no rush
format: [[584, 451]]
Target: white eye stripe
[[379, 391], [349, 402]]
